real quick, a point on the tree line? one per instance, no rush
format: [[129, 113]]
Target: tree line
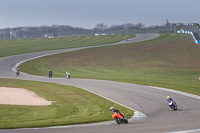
[[64, 31]]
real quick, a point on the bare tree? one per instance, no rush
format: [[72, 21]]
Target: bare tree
[[101, 27]]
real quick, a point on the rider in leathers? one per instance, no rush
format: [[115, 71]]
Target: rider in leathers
[[116, 110], [169, 99]]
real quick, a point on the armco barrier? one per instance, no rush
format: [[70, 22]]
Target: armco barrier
[[189, 32], [101, 34]]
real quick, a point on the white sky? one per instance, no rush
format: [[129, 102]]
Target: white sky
[[87, 13]]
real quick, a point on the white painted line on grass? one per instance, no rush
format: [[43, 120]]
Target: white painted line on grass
[[178, 92], [187, 131]]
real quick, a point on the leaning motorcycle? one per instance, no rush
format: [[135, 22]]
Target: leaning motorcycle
[[173, 105], [119, 119]]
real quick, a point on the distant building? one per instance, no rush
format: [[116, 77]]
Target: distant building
[[176, 24], [164, 22], [192, 24], [182, 24]]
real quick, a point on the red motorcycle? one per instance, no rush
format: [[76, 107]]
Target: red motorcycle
[[119, 118]]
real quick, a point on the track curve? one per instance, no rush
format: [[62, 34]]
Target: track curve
[[147, 100]]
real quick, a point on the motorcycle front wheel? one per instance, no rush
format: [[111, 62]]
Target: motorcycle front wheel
[[126, 121], [117, 120]]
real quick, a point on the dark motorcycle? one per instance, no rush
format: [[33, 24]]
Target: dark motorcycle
[[119, 119], [50, 75], [17, 73], [173, 105]]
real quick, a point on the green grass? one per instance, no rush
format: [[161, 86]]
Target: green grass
[[71, 106], [170, 61], [14, 47]]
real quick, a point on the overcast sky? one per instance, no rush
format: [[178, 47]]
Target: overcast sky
[[87, 13]]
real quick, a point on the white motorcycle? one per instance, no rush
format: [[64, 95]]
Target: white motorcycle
[[173, 105]]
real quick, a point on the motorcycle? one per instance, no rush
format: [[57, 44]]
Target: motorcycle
[[50, 75], [119, 119], [173, 105], [17, 73]]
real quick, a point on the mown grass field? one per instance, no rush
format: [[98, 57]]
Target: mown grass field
[[170, 61], [14, 47], [71, 106]]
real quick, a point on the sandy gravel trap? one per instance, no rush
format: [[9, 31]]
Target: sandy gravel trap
[[20, 96]]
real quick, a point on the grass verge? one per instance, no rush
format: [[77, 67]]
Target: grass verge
[[14, 47], [170, 61], [71, 106]]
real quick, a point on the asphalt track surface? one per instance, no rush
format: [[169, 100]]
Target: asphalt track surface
[[150, 101]]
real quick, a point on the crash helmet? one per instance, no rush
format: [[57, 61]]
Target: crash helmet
[[111, 108], [168, 97]]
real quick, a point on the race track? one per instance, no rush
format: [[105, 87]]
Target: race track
[[150, 101]]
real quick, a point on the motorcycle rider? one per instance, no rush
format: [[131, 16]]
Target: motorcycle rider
[[116, 110], [50, 73], [18, 72], [67, 75], [169, 99]]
